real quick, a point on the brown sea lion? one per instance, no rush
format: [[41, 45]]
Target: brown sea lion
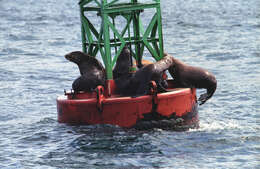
[[184, 76], [193, 77], [91, 70], [123, 63], [137, 84]]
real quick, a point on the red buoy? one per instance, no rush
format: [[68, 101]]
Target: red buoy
[[177, 107]]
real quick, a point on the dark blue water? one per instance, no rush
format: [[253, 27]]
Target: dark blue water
[[221, 36]]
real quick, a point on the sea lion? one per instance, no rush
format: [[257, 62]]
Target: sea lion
[[137, 84], [123, 63], [121, 72], [193, 77], [91, 70]]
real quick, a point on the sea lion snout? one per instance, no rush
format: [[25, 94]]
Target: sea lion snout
[[74, 56], [68, 56]]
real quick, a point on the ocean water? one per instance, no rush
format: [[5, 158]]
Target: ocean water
[[218, 35]]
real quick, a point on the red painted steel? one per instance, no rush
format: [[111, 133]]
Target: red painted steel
[[98, 108]]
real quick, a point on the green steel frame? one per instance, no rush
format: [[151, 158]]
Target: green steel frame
[[94, 41]]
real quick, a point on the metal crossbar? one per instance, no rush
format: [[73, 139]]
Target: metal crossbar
[[133, 32]]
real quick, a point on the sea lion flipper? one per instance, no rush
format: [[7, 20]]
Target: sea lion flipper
[[162, 85], [203, 98], [210, 91], [77, 84]]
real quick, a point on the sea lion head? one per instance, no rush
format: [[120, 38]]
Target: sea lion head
[[123, 63], [77, 57], [172, 62]]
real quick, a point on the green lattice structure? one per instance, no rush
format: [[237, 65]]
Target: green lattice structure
[[108, 37]]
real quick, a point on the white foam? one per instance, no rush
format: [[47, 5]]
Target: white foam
[[220, 125]]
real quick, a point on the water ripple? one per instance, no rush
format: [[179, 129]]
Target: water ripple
[[218, 35]]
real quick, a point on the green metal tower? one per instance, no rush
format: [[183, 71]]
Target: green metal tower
[[108, 37]]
